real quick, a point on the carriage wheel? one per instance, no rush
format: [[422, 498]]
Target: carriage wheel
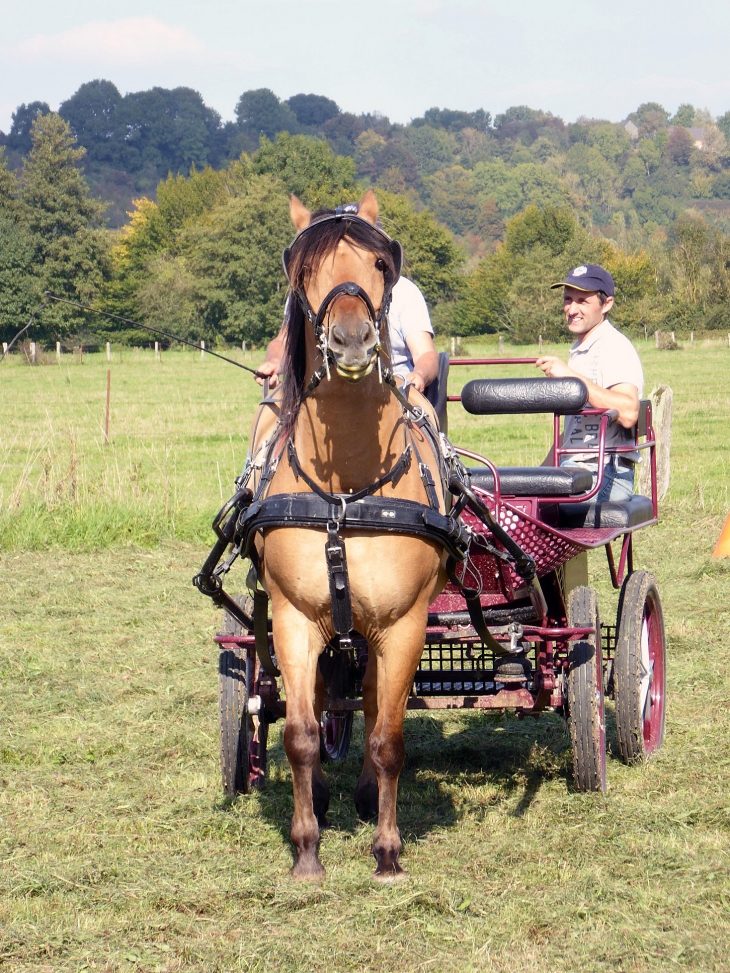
[[335, 731], [640, 668], [585, 694], [243, 738]]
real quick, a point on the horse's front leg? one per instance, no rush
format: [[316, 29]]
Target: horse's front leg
[[298, 646], [398, 655]]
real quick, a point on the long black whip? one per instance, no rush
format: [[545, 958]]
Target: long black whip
[[118, 317]]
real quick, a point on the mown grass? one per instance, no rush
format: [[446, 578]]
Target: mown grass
[[117, 851]]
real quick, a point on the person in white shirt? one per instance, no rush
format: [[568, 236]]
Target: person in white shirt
[[413, 355], [610, 367]]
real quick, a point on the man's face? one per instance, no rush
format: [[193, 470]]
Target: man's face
[[583, 310]]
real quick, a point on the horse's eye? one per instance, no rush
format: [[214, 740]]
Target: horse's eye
[[380, 265]]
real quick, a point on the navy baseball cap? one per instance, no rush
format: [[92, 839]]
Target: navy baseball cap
[[588, 277]]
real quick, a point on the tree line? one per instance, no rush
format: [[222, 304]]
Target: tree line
[[201, 254]]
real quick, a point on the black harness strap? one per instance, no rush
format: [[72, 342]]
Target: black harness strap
[[395, 474], [382, 514]]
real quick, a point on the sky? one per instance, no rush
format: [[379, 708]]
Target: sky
[[399, 57]]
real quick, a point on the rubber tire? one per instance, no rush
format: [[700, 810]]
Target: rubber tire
[[243, 738], [587, 718], [233, 722], [335, 732], [640, 650]]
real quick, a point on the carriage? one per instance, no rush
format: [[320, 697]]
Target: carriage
[[438, 585], [554, 650]]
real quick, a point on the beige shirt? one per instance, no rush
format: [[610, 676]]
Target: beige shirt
[[607, 358]]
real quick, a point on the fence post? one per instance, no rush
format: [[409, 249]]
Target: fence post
[[453, 346], [243, 347], [33, 352], [108, 401], [539, 344], [662, 399], [5, 347], [458, 342], [58, 350], [501, 345], [691, 337], [157, 350], [202, 349]]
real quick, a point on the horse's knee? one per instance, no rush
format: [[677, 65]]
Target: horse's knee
[[387, 753], [301, 741]]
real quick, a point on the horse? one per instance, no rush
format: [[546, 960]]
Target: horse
[[342, 431]]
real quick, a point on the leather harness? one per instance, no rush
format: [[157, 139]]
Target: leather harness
[[248, 512]]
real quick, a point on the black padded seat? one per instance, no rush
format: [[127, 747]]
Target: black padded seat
[[517, 396], [534, 481], [614, 514]]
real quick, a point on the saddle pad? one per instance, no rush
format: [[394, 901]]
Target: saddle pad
[[534, 481], [614, 514]]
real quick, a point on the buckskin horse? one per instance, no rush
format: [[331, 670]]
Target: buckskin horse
[[346, 441]]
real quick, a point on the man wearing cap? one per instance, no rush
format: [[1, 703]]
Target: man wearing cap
[[608, 364]]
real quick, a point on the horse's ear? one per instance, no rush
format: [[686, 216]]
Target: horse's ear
[[300, 215], [368, 209]]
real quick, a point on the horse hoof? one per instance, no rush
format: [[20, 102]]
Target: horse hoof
[[391, 876], [308, 872]]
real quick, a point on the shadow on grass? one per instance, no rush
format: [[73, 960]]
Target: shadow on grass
[[506, 758]]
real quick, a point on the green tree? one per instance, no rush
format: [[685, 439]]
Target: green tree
[[260, 112], [20, 136], [71, 253], [432, 148], [312, 111], [684, 116], [234, 256], [432, 259], [308, 168]]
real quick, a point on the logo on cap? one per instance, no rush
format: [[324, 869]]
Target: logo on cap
[[579, 271]]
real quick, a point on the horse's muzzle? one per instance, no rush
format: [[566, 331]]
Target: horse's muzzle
[[354, 349]]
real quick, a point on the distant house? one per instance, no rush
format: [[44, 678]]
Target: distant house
[[632, 131], [698, 135]]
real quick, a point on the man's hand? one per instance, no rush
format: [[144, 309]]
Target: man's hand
[[555, 367], [270, 370], [416, 380], [271, 366]]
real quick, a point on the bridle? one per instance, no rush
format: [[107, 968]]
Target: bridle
[[347, 214]]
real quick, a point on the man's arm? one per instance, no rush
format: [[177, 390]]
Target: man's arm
[[623, 397], [271, 366], [425, 359]]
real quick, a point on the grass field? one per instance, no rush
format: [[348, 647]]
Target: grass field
[[117, 851]]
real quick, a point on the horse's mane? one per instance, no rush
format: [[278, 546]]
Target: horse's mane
[[307, 253]]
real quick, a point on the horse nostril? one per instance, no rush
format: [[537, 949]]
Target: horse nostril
[[336, 339]]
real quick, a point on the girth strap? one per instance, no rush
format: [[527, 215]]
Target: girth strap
[[339, 582]]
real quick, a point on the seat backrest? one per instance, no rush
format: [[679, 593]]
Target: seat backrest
[[512, 396], [437, 391]]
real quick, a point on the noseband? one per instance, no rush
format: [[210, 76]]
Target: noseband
[[348, 289]]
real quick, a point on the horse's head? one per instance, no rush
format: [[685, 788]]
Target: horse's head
[[342, 268]]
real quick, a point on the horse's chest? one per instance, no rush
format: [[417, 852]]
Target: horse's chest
[[387, 574]]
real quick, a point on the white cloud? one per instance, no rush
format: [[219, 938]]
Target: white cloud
[[124, 43]]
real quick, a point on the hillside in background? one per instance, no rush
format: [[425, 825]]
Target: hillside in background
[[491, 210]]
